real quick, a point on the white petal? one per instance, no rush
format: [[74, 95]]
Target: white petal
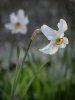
[[62, 25], [49, 49], [15, 31], [13, 18], [9, 26], [20, 15], [53, 50], [65, 42], [48, 32], [12, 28], [63, 45], [46, 49], [22, 18], [26, 20], [23, 30]]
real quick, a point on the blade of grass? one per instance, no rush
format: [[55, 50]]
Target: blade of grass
[[30, 82]]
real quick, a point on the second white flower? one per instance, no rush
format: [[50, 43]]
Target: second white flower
[[18, 23]]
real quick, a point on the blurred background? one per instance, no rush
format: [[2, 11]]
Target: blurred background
[[56, 80]]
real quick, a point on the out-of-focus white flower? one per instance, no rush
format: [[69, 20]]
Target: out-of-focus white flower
[[57, 39], [18, 23]]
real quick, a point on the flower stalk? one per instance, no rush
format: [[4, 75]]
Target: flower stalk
[[11, 49]]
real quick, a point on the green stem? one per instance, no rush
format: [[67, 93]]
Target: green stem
[[19, 74], [10, 55], [11, 49]]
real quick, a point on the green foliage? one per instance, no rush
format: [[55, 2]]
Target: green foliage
[[41, 80]]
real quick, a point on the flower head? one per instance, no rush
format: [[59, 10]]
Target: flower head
[[57, 39], [18, 23]]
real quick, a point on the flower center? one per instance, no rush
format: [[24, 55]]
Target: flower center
[[17, 24], [59, 41]]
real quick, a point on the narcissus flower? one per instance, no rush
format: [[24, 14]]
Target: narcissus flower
[[18, 23], [57, 39]]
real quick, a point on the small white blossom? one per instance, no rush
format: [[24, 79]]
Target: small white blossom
[[57, 39], [18, 23]]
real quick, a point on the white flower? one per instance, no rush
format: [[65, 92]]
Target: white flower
[[18, 23], [57, 39]]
